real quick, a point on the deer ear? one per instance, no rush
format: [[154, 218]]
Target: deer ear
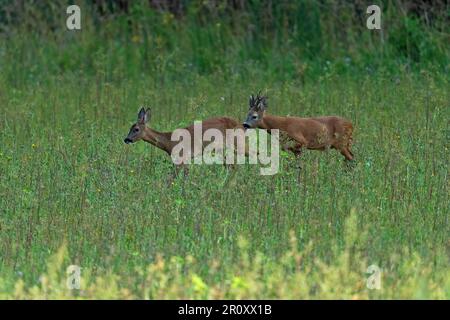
[[143, 116], [147, 115], [262, 105]]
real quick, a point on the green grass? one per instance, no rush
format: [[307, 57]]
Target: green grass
[[71, 192], [68, 178]]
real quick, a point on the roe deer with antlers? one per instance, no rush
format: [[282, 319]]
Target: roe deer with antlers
[[318, 133], [162, 140]]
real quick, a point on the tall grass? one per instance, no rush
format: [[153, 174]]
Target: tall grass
[[72, 193], [253, 276]]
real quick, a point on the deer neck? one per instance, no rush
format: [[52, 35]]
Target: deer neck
[[158, 139], [273, 122]]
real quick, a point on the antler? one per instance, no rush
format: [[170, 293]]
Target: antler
[[261, 100], [254, 102], [258, 95], [251, 101]]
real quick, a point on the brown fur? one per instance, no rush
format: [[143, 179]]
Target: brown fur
[[317, 133], [162, 140]]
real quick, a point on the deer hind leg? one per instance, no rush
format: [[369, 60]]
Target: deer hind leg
[[343, 142], [347, 146], [349, 157], [344, 149], [348, 135], [347, 154]]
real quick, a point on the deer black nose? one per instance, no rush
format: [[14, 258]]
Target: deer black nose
[[127, 141], [246, 126]]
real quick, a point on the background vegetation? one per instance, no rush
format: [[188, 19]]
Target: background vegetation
[[72, 193]]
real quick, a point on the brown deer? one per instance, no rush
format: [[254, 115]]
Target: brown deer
[[162, 140], [318, 133]]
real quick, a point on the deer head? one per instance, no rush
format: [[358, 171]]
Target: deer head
[[137, 130], [257, 107]]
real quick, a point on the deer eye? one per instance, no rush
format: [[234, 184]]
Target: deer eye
[[136, 130], [255, 116]]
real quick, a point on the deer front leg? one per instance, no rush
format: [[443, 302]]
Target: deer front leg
[[297, 151], [176, 172], [295, 146]]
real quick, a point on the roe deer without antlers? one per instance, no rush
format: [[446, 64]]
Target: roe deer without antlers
[[162, 140], [318, 133]]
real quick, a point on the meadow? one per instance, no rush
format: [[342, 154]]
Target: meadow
[[72, 193]]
